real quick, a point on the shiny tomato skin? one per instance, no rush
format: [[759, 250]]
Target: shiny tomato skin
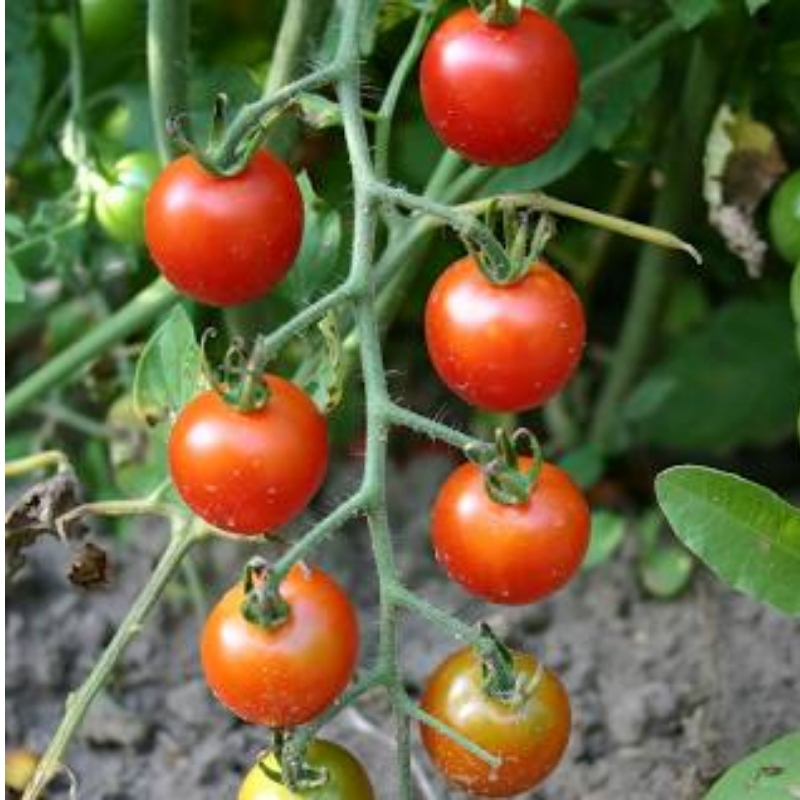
[[499, 95], [249, 473], [529, 737], [510, 554], [346, 777], [224, 241], [287, 675], [504, 348]]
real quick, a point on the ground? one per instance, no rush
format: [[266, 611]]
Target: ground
[[665, 694]]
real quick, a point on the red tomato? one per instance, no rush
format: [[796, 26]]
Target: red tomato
[[499, 95], [529, 734], [224, 241], [504, 348], [510, 554], [249, 472], [286, 675]]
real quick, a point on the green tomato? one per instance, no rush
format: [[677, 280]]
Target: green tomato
[[346, 779], [107, 24], [784, 218], [119, 206]]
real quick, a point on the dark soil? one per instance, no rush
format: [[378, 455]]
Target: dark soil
[[665, 694]]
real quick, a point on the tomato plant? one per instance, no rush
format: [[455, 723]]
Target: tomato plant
[[119, 206], [529, 733], [286, 674], [510, 554], [249, 471], [499, 94], [504, 348], [224, 240], [343, 777], [784, 218]]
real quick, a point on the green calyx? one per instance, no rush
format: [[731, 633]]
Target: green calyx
[[294, 772], [239, 380], [501, 13], [497, 662], [262, 604], [507, 481]]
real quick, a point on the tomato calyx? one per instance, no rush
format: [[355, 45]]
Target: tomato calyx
[[294, 772], [501, 14], [506, 481], [524, 243], [262, 604], [239, 380], [213, 158], [500, 679]]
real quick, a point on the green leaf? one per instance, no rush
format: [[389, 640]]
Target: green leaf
[[24, 76], [754, 6], [745, 533], [317, 267], [690, 13], [666, 570], [608, 533], [584, 464], [169, 369], [15, 285], [771, 773], [718, 387], [555, 163]]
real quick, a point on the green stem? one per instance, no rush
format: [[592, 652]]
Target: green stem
[[401, 596], [673, 209], [406, 418], [137, 314], [383, 127], [44, 460], [78, 703], [167, 48]]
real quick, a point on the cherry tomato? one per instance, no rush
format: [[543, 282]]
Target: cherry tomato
[[286, 675], [528, 734], [499, 95], [249, 472], [224, 241], [346, 778], [784, 218], [510, 554], [504, 348], [119, 207]]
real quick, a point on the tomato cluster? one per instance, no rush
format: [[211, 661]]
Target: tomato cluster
[[280, 654]]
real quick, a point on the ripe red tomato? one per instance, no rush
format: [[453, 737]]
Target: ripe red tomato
[[346, 778], [224, 241], [504, 348], [249, 472], [286, 675], [499, 95], [529, 735], [510, 554]]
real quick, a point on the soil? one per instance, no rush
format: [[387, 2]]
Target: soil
[[665, 694]]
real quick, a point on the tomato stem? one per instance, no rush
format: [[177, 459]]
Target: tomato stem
[[262, 604], [501, 14]]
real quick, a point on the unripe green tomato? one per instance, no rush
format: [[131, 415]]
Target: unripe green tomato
[[119, 206], [107, 24], [784, 218], [346, 778]]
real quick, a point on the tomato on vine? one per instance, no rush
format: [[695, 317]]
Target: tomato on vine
[[510, 553], [528, 733], [499, 94], [285, 674], [784, 218], [342, 777], [504, 347], [224, 240], [249, 472], [119, 205]]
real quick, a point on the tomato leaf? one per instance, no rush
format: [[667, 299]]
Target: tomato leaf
[[666, 570], [690, 13], [608, 533], [24, 76], [771, 773], [317, 267], [726, 364], [169, 370], [754, 6], [743, 532], [15, 285]]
